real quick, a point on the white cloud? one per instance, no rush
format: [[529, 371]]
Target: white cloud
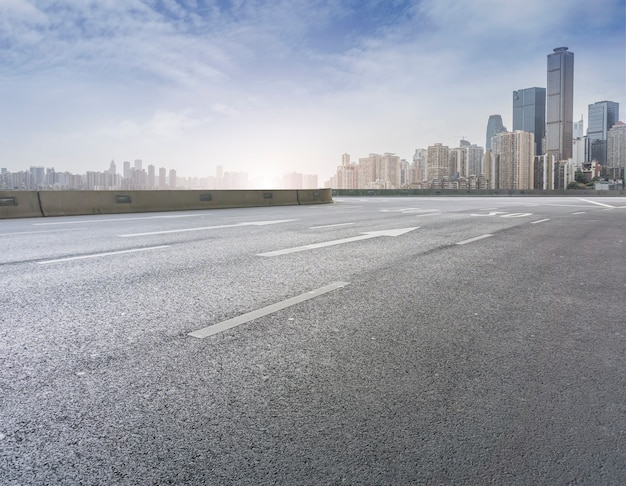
[[283, 83]]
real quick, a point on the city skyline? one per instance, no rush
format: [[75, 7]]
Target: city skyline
[[271, 88], [135, 177]]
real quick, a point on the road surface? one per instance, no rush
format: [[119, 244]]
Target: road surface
[[371, 341]]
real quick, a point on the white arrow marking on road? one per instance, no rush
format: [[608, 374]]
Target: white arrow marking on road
[[186, 230], [364, 236], [504, 214]]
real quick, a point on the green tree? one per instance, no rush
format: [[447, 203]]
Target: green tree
[[580, 177], [573, 185]]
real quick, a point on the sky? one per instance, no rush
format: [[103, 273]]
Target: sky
[[271, 87]]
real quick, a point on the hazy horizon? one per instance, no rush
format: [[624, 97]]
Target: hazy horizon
[[270, 88]]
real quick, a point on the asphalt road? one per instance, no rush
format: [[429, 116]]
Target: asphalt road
[[371, 341]]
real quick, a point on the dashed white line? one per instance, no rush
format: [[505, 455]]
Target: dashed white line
[[364, 236], [98, 255], [580, 212], [114, 220], [476, 238], [540, 221], [204, 228], [39, 232], [331, 225], [270, 309]]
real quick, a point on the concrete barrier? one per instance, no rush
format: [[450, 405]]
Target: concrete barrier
[[256, 198], [475, 192], [19, 204], [315, 196], [73, 203]]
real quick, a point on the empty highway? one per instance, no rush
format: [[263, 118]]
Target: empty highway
[[369, 341]]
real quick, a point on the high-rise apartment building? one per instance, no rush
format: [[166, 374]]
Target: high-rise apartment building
[[616, 147], [457, 162], [347, 174], [602, 116], [420, 166], [474, 160], [438, 162], [494, 126], [151, 177], [379, 171], [162, 178], [560, 103], [126, 171], [389, 171], [368, 171], [529, 113], [513, 154]]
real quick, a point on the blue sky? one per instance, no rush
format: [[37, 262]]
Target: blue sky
[[270, 87]]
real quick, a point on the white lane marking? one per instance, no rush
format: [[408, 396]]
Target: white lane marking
[[580, 212], [476, 238], [98, 255], [398, 210], [516, 215], [364, 236], [492, 213], [203, 228], [39, 232], [428, 214], [115, 220], [331, 225], [408, 210], [596, 202], [270, 309], [504, 214], [540, 221]]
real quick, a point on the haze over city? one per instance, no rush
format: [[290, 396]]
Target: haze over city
[[276, 87]]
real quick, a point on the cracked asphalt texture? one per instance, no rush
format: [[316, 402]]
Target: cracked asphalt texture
[[501, 361]]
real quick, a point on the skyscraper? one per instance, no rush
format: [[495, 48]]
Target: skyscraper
[[578, 131], [602, 116], [494, 125], [529, 113], [560, 103]]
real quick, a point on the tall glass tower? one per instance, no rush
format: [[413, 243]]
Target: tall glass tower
[[602, 116], [560, 103], [529, 113], [494, 125]]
